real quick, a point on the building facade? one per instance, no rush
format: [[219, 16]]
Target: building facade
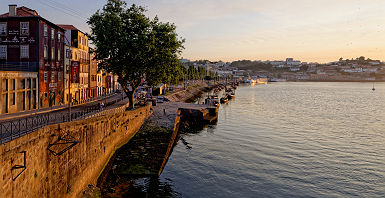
[[80, 63], [71, 60], [92, 77], [31, 61], [99, 78]]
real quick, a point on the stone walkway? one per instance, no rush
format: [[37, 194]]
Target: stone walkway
[[164, 114]]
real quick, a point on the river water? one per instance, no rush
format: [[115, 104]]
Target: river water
[[285, 140]]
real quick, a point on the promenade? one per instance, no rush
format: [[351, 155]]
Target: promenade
[[16, 125]]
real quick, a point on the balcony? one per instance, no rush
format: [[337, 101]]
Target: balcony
[[19, 66]]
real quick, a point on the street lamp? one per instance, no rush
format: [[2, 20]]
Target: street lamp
[[69, 83]]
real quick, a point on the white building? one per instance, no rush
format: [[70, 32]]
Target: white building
[[292, 62]]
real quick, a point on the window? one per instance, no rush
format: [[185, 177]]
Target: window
[[29, 83], [24, 28], [5, 84], [59, 76], [21, 84], [53, 76], [24, 51], [3, 28], [13, 84], [59, 37], [58, 54], [45, 52], [53, 53], [3, 51], [53, 34], [45, 31], [45, 76], [12, 98]]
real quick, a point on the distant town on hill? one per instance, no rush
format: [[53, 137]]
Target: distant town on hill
[[359, 69]]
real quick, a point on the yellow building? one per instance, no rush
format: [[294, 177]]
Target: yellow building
[[78, 44], [18, 91], [71, 55], [84, 66]]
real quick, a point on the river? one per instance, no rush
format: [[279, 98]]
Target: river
[[284, 140]]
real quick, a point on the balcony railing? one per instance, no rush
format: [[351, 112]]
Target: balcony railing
[[19, 66]]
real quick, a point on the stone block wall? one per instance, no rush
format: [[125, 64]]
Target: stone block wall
[[93, 142]]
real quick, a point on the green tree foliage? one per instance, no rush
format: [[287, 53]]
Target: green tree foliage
[[304, 68], [134, 47]]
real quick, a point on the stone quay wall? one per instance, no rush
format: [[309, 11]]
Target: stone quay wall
[[61, 160]]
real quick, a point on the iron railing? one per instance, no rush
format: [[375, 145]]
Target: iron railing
[[12, 129]]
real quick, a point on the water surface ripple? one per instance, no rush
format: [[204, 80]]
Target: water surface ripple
[[288, 140]]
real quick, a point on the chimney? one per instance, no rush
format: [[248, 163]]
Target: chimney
[[12, 10]]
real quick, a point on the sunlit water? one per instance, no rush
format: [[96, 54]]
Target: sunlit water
[[287, 140]]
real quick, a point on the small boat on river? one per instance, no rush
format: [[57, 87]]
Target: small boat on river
[[231, 95], [213, 101]]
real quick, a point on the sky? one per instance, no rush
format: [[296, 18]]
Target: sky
[[307, 30]]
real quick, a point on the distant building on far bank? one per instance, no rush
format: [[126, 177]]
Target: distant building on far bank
[[292, 62]]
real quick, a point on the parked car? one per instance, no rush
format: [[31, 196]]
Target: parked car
[[160, 99]]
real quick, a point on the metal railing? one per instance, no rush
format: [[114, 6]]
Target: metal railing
[[12, 129], [19, 66]]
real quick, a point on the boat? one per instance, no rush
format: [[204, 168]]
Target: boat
[[212, 101], [230, 95], [224, 100], [262, 81]]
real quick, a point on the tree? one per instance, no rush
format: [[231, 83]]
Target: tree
[[134, 47]]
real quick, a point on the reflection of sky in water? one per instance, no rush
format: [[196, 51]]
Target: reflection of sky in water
[[288, 140], [282, 140]]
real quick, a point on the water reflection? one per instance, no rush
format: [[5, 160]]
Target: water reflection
[[143, 187], [185, 143]]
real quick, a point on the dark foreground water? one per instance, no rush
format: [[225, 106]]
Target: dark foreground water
[[284, 140]]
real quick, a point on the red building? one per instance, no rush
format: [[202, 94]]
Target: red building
[[33, 44]]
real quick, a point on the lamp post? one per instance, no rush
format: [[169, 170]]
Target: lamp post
[[69, 83], [69, 78]]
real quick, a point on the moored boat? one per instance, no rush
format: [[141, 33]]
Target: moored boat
[[230, 95], [262, 81], [224, 100]]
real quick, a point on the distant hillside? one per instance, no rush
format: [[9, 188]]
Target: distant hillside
[[252, 65]]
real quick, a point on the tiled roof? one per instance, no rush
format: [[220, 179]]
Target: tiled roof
[[22, 11], [67, 27]]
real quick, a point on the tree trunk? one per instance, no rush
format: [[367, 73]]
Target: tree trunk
[[129, 89], [131, 99]]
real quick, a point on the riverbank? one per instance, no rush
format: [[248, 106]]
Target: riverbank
[[148, 151], [191, 92], [60, 160]]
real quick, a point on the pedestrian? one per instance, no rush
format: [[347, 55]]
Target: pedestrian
[[100, 105]]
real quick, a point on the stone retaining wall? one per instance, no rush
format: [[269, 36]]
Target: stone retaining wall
[[62, 159], [190, 93]]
